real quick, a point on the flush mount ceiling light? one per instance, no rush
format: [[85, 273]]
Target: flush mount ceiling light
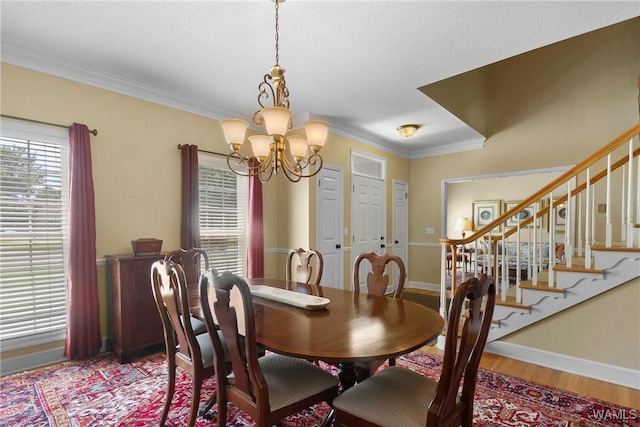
[[407, 130], [270, 150]]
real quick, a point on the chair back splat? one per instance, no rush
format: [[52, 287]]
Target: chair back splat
[[377, 279], [185, 348], [381, 400], [270, 387], [309, 263], [377, 282], [191, 260], [460, 362]]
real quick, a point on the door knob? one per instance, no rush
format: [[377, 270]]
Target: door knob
[[338, 246], [396, 242], [382, 245]]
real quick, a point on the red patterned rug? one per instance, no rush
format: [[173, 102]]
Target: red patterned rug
[[101, 392]]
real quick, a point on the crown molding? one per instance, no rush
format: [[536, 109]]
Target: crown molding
[[39, 61], [449, 148], [25, 58]]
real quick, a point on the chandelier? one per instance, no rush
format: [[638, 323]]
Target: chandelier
[[276, 151]]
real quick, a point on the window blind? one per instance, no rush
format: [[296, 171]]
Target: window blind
[[33, 236], [223, 215]]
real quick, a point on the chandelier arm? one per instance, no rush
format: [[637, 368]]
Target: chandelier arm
[[263, 92], [235, 158], [238, 160], [296, 169]]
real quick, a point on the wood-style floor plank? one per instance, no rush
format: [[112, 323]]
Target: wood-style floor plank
[[588, 387]]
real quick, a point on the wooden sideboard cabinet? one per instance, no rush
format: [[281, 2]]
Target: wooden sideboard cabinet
[[134, 322]]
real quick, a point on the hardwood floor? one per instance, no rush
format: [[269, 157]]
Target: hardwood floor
[[577, 384]]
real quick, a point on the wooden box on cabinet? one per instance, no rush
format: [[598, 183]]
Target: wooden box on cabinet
[[134, 321]]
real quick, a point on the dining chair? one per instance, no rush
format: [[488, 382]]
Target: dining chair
[[400, 397], [192, 261], [268, 388], [462, 256], [192, 352], [308, 262], [377, 282]]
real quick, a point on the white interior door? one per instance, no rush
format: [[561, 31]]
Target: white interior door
[[400, 225], [368, 202], [329, 224]]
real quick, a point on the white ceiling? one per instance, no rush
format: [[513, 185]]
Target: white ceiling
[[358, 64]]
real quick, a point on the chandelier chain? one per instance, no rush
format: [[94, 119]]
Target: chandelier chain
[[277, 35], [296, 156]]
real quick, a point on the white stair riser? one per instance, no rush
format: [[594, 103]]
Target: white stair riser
[[568, 279], [608, 259], [532, 297], [502, 311], [579, 286]]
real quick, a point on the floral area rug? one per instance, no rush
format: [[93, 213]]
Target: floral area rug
[[102, 392]]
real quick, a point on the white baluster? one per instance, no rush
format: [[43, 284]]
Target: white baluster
[[638, 202], [587, 222], [629, 225], [593, 215], [552, 241], [608, 225], [623, 199], [568, 225], [579, 225]]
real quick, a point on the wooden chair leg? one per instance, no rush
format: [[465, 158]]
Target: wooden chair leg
[[195, 400], [171, 385]]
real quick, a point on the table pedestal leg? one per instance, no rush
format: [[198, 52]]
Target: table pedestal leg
[[347, 376]]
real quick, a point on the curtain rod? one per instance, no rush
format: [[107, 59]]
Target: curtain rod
[[204, 151], [93, 131]]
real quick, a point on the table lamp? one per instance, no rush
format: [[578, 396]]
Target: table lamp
[[462, 224]]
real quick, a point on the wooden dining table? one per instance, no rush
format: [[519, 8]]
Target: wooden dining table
[[353, 327]]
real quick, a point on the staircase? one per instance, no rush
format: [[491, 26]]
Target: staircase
[[561, 213], [613, 266]]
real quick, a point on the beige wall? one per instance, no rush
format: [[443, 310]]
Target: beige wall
[[136, 169], [548, 108]]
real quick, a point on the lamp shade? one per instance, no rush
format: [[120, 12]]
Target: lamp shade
[[234, 131], [276, 120], [261, 144], [462, 224], [317, 132], [298, 146]]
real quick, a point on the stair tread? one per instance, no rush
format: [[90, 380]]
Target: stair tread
[[577, 268], [541, 286], [511, 302], [617, 247]]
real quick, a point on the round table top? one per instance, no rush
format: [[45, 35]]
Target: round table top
[[352, 327]]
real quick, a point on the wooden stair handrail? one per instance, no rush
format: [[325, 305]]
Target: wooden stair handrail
[[574, 171]]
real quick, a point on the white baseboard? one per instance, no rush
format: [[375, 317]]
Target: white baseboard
[[586, 368], [30, 361], [423, 286]]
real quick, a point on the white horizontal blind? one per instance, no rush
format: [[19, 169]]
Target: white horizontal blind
[[223, 215], [33, 234]]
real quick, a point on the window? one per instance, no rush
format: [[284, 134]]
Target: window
[[34, 192], [223, 215]]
